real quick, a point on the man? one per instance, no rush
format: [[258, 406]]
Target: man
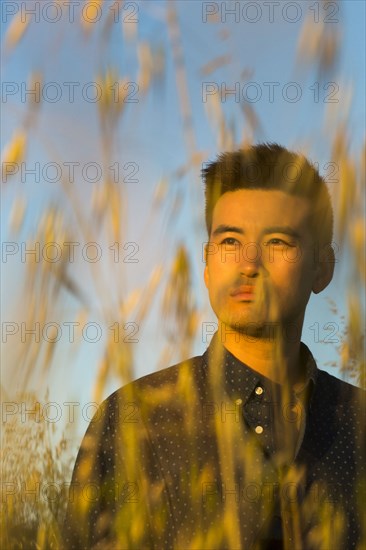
[[248, 445]]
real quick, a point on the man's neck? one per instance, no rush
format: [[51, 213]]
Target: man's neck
[[271, 356]]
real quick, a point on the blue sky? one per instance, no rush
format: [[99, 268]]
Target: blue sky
[[150, 134]]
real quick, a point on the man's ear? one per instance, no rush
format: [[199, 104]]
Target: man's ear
[[325, 268]]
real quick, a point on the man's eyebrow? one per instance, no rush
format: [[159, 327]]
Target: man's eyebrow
[[284, 229], [227, 229]]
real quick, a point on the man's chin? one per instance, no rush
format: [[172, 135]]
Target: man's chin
[[253, 329]]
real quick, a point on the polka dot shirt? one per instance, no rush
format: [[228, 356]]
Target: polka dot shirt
[[208, 454]]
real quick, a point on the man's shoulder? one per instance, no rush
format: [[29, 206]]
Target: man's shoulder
[[159, 386], [169, 374], [338, 390]]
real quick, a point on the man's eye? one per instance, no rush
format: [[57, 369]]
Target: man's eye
[[230, 241], [277, 242]]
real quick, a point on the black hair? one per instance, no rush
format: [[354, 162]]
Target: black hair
[[270, 166]]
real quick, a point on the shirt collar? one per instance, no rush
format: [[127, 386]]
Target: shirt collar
[[311, 370], [239, 380]]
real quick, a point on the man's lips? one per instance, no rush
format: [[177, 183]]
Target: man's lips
[[244, 291]]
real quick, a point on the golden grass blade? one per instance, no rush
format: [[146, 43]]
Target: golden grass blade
[[16, 30], [90, 14], [13, 155]]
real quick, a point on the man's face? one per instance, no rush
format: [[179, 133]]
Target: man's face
[[260, 265]]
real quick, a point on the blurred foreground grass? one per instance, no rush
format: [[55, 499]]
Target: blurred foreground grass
[[36, 463]]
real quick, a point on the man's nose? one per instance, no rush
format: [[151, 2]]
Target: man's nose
[[251, 260]]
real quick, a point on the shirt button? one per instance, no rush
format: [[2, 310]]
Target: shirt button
[[238, 401], [259, 390], [258, 429]]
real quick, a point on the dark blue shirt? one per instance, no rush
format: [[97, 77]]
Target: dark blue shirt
[[208, 454]]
